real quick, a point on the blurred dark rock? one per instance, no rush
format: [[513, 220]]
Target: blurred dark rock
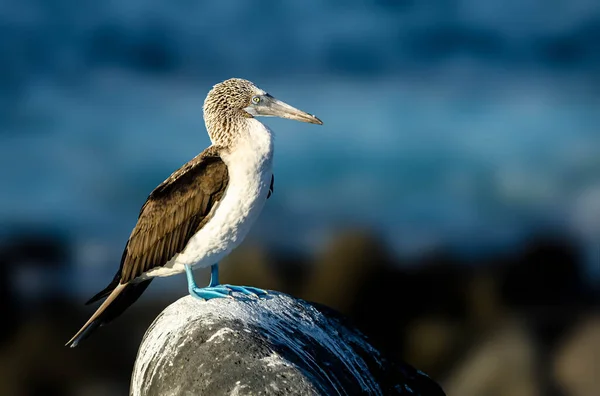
[[249, 265], [545, 285], [339, 273], [548, 273], [34, 361], [356, 272], [41, 249], [292, 268], [430, 298], [8, 304], [515, 323], [431, 342], [501, 364], [273, 345], [484, 305], [576, 364]]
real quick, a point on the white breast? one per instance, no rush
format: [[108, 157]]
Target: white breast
[[250, 170]]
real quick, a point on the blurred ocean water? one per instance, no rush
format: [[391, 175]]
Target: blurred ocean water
[[458, 123], [64, 37], [390, 154]]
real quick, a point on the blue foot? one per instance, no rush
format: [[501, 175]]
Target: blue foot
[[208, 293], [214, 290], [247, 290]]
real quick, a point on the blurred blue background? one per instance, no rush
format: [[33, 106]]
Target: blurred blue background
[[469, 127]]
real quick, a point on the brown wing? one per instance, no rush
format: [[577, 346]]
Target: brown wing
[[173, 213]]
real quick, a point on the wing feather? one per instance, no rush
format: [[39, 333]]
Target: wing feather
[[173, 213]]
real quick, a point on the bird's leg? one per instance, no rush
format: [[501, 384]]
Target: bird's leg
[[206, 293], [214, 275], [214, 289]]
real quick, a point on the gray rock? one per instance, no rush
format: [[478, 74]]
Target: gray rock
[[275, 345]]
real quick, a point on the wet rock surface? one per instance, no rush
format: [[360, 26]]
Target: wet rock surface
[[273, 345]]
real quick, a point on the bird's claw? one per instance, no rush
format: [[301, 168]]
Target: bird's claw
[[247, 290], [208, 293], [224, 291]]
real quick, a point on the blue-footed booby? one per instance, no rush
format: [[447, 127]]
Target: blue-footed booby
[[205, 209]]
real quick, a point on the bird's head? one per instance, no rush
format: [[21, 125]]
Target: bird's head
[[237, 97]]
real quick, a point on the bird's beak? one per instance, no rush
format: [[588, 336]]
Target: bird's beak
[[271, 107]]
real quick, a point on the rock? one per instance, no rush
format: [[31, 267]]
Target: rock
[[502, 364], [577, 362], [275, 345]]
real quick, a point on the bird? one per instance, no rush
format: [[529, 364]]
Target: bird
[[204, 209]]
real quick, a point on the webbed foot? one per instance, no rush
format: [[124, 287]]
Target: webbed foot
[[247, 290], [208, 293]]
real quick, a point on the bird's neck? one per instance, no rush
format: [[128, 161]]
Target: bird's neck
[[237, 132], [223, 128]]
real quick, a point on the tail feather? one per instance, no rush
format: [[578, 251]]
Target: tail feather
[[118, 300], [105, 292]]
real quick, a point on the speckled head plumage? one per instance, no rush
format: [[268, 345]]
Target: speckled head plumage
[[231, 97], [230, 103]]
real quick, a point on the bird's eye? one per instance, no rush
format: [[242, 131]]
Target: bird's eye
[[256, 99]]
